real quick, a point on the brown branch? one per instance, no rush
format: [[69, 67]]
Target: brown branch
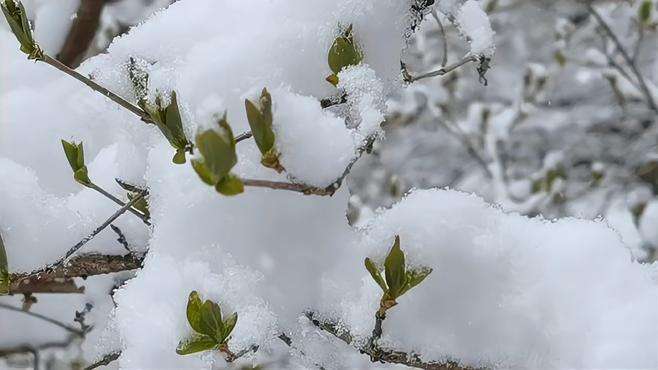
[[385, 355], [299, 188], [82, 32], [59, 279]]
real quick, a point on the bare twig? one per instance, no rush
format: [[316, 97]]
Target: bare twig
[[385, 355], [439, 72], [98, 88], [62, 325], [105, 224], [132, 210], [105, 360], [444, 38], [627, 57], [299, 188]]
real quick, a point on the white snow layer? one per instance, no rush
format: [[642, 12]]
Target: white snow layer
[[506, 290], [474, 24]]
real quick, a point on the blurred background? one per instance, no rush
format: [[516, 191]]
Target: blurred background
[[565, 124]]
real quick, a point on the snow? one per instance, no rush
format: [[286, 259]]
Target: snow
[[506, 289], [475, 25], [315, 146]]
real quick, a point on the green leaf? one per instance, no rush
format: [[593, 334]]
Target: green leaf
[[395, 269], [204, 174], [170, 123], [376, 274], [260, 121], [415, 277], [344, 52], [4, 269], [71, 151], [229, 324], [218, 149], [194, 311], [196, 343], [211, 323], [644, 12], [230, 185], [20, 27]]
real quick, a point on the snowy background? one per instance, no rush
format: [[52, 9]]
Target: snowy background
[[531, 190]]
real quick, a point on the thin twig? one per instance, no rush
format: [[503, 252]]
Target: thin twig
[[385, 355], [627, 57], [98, 88], [444, 38], [105, 224], [278, 185], [62, 325], [441, 71], [105, 360], [111, 197]]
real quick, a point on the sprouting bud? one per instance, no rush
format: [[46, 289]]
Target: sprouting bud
[[259, 115], [170, 123], [20, 26], [344, 52], [76, 157], [397, 279], [218, 157], [210, 330]]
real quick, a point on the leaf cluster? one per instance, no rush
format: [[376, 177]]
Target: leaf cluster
[[218, 157], [169, 121], [211, 330], [259, 115], [397, 279], [76, 157]]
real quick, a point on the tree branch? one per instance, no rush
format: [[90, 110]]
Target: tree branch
[[299, 188], [384, 355], [47, 279], [82, 32]]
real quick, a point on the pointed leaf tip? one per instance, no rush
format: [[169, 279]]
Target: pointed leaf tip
[[395, 269]]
